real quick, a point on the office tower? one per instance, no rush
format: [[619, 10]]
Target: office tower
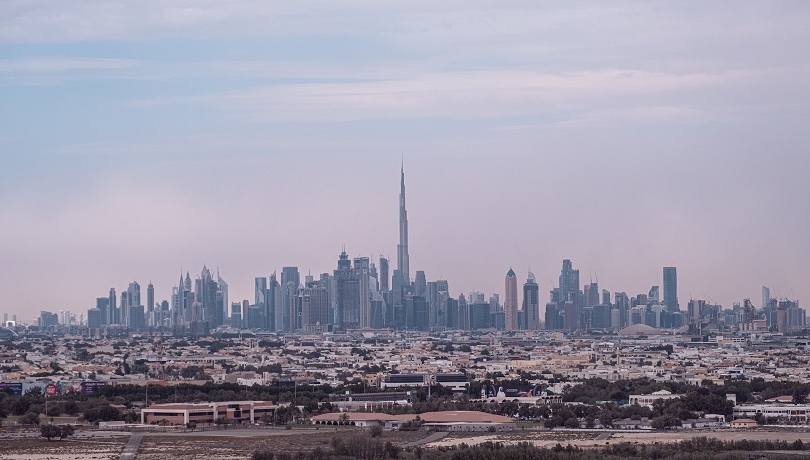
[[384, 279], [132, 298], [442, 297], [463, 315], [112, 317], [552, 317], [416, 313], [531, 302], [451, 313], [314, 301], [150, 297], [361, 272], [187, 298], [402, 248], [378, 310], [260, 290], [136, 317], [236, 315], [165, 314], [123, 307], [569, 282], [102, 304], [134, 293], [94, 318], [605, 297], [479, 315], [275, 315], [592, 294], [419, 284], [290, 280], [510, 302], [205, 290], [653, 297], [222, 300], [375, 277], [347, 292], [569, 291], [766, 297], [671, 289], [397, 290]]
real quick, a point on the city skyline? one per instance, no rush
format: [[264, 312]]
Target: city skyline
[[140, 142], [357, 296]]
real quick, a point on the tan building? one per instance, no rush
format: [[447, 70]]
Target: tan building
[[743, 423], [208, 413], [439, 421]]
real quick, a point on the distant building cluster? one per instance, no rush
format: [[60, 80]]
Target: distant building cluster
[[360, 294]]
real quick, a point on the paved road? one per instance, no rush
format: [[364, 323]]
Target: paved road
[[131, 449], [432, 438]]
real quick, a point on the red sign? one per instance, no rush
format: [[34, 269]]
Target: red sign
[[50, 389]]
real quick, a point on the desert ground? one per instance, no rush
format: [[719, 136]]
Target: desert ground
[[241, 443]]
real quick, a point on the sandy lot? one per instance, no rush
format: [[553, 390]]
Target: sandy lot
[[593, 439], [69, 449], [241, 443]]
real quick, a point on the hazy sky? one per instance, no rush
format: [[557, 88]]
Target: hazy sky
[[139, 139]]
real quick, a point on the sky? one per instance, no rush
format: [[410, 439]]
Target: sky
[[141, 140]]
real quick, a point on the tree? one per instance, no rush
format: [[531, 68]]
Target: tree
[[30, 418], [50, 431], [375, 431]]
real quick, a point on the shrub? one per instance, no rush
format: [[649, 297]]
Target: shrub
[[30, 418]]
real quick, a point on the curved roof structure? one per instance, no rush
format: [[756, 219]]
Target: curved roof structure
[[640, 329]]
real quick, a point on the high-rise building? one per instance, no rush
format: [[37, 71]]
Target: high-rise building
[[290, 280], [314, 301], [403, 264], [510, 301], [150, 298], [363, 275], [260, 290], [653, 298], [671, 289], [236, 315], [384, 277], [419, 284], [273, 310], [102, 305], [112, 308], [222, 300], [206, 294], [347, 292], [766, 296], [531, 302]]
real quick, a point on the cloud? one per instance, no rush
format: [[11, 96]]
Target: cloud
[[62, 63]]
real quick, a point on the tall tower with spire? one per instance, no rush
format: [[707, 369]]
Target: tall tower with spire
[[402, 248]]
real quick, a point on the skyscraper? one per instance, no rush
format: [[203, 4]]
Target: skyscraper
[[150, 297], [671, 289], [766, 296], [290, 280], [403, 264], [384, 278], [112, 308], [347, 292], [510, 302], [222, 300], [531, 302]]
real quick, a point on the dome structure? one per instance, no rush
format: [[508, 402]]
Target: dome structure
[[640, 329]]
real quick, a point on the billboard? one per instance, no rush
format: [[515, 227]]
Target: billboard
[[15, 388], [89, 387]]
